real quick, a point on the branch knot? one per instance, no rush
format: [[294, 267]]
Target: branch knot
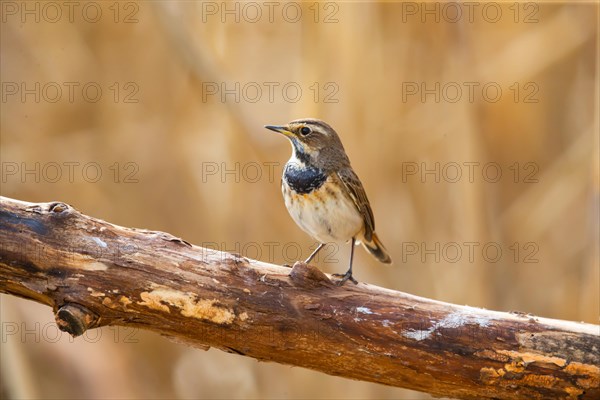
[[75, 319]]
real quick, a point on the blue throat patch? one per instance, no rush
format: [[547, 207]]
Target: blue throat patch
[[303, 179]]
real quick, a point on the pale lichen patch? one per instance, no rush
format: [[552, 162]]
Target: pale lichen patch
[[488, 375], [153, 301], [189, 305], [99, 242], [125, 300], [517, 370], [529, 358], [542, 381], [492, 355], [574, 393], [94, 293], [454, 320], [209, 310], [94, 266], [591, 373]]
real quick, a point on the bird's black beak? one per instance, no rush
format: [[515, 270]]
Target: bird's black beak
[[280, 129]]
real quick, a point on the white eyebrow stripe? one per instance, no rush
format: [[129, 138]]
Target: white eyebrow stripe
[[320, 129]]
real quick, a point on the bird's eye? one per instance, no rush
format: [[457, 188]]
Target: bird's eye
[[305, 130]]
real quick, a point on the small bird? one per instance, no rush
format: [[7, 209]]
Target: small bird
[[323, 194]]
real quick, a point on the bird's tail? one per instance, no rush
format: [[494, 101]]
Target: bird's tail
[[376, 248]]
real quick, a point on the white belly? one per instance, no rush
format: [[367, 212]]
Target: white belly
[[326, 214]]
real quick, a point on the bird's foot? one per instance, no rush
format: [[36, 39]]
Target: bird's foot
[[345, 277]]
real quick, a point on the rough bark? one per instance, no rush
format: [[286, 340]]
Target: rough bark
[[93, 273]]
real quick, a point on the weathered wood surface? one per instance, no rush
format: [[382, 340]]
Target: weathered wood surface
[[93, 273]]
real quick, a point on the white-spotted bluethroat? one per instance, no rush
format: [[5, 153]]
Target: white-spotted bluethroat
[[322, 192]]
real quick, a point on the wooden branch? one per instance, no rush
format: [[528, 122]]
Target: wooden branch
[[93, 273]]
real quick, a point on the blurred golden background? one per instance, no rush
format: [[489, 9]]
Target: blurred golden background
[[473, 128]]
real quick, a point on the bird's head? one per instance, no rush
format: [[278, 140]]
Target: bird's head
[[314, 142]]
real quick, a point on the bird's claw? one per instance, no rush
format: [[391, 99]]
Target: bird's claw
[[345, 277]]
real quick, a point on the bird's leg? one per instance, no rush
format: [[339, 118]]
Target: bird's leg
[[348, 275], [314, 253]]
